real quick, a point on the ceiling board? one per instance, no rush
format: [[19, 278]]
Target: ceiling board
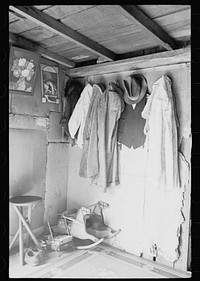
[[12, 17], [104, 15], [174, 18], [155, 11], [102, 24], [63, 11], [148, 26], [63, 47], [78, 52], [37, 34], [102, 33], [50, 24], [176, 24], [128, 48], [42, 7], [132, 42], [54, 41], [176, 30], [21, 26]]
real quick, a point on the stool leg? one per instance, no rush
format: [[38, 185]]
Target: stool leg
[[21, 246], [29, 221], [14, 238], [28, 227]]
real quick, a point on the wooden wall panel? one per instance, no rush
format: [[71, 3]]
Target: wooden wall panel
[[32, 105], [151, 61]]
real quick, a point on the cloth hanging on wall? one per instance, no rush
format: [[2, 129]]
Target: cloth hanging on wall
[[131, 126], [73, 90], [163, 190], [77, 119], [162, 140], [100, 151]]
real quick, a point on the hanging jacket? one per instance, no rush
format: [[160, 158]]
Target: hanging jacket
[[77, 119], [100, 152], [73, 90]]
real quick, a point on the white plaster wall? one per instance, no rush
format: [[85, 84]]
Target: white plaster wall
[[27, 171], [56, 182], [125, 200]]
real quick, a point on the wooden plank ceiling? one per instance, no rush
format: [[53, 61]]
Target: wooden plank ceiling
[[76, 35]]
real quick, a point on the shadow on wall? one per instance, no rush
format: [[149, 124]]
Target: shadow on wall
[[23, 186]]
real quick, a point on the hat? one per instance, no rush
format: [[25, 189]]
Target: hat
[[135, 87]]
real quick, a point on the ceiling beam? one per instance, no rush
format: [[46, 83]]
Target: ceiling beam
[[147, 25], [135, 64], [27, 44], [61, 29]]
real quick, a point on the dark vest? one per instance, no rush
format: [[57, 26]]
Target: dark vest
[[131, 126]]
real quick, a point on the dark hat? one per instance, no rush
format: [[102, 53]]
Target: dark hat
[[135, 87]]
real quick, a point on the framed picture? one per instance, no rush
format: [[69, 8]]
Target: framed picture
[[50, 84], [23, 66]]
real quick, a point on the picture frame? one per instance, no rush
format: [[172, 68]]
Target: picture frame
[[23, 68], [50, 83]]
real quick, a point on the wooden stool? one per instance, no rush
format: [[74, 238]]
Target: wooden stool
[[18, 203]]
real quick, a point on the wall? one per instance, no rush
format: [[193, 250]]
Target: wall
[[42, 164], [37, 156], [126, 200]]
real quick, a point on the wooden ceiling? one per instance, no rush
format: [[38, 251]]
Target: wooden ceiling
[[76, 35]]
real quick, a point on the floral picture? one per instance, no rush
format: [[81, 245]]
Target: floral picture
[[23, 68], [50, 84]]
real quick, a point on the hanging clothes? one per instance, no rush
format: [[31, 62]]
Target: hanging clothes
[[131, 126], [162, 217], [162, 141], [73, 90], [77, 119], [100, 152]]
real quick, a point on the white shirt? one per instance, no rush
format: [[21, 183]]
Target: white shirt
[[77, 119]]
